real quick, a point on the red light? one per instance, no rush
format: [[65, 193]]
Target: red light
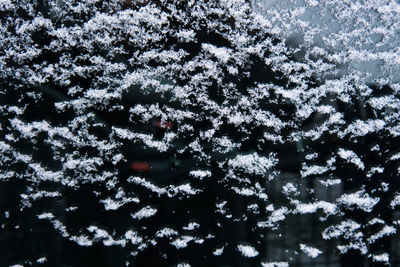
[[140, 166]]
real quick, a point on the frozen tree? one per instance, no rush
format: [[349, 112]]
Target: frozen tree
[[185, 132]]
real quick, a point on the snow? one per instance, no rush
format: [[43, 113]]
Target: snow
[[191, 226], [310, 251], [386, 231], [346, 229], [275, 264], [105, 237], [359, 199], [200, 174], [330, 182], [289, 189], [352, 157], [182, 241], [144, 212], [147, 185], [253, 163], [247, 251], [381, 258], [186, 189], [259, 96], [166, 232], [275, 217], [41, 260], [111, 204], [222, 54], [46, 215], [133, 237], [326, 207], [219, 251], [396, 201], [361, 128], [313, 170]]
